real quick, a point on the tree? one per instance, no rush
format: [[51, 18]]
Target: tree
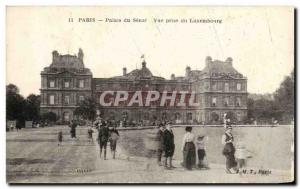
[[86, 109], [12, 89], [49, 116], [15, 105], [284, 97], [32, 107], [279, 106]]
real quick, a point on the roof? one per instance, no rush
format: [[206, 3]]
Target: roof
[[143, 73], [67, 61]]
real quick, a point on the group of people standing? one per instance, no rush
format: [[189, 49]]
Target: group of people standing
[[195, 146], [166, 146]]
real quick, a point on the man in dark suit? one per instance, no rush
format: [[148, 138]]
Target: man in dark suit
[[103, 136], [160, 147], [169, 146]]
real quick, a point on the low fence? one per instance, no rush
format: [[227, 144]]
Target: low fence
[[151, 127]]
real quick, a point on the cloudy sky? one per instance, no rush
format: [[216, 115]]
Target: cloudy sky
[[259, 39]]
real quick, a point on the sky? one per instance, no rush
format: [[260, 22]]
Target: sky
[[260, 41]]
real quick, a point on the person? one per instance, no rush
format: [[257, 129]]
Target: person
[[11, 127], [98, 123], [188, 149], [60, 138], [241, 155], [169, 145], [73, 129], [114, 137], [90, 133], [229, 150], [160, 142], [103, 136], [200, 144]]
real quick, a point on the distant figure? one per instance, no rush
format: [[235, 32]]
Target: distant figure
[[90, 133], [169, 146], [11, 127], [200, 144], [229, 150], [103, 136], [60, 138], [98, 123], [160, 140], [114, 137], [188, 149], [241, 156], [73, 129]]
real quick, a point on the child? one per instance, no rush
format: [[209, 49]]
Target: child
[[200, 144], [241, 155], [114, 136], [90, 134], [60, 138]]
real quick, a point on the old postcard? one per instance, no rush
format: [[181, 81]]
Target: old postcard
[[157, 94]]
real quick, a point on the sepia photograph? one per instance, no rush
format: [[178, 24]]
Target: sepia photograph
[[150, 95]]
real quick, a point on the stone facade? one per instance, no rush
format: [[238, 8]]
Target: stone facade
[[64, 84], [218, 89]]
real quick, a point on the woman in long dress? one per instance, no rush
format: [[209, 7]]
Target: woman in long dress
[[188, 148], [229, 150]]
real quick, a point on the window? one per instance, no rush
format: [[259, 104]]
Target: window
[[51, 99], [238, 101], [239, 116], [81, 83], [52, 84], [226, 101], [214, 101], [67, 84], [238, 86], [67, 99], [214, 86], [81, 98], [226, 86], [189, 116]]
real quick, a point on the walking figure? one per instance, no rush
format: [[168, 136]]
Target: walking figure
[[90, 134], [73, 129], [60, 138], [103, 136], [114, 137], [229, 150]]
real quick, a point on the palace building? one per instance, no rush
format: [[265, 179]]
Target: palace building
[[198, 97]]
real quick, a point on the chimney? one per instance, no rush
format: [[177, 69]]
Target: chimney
[[229, 60], [172, 76], [124, 71], [208, 60], [54, 55], [80, 54], [187, 71], [144, 64]]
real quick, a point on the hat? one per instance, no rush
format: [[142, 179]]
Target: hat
[[228, 127], [201, 136]]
